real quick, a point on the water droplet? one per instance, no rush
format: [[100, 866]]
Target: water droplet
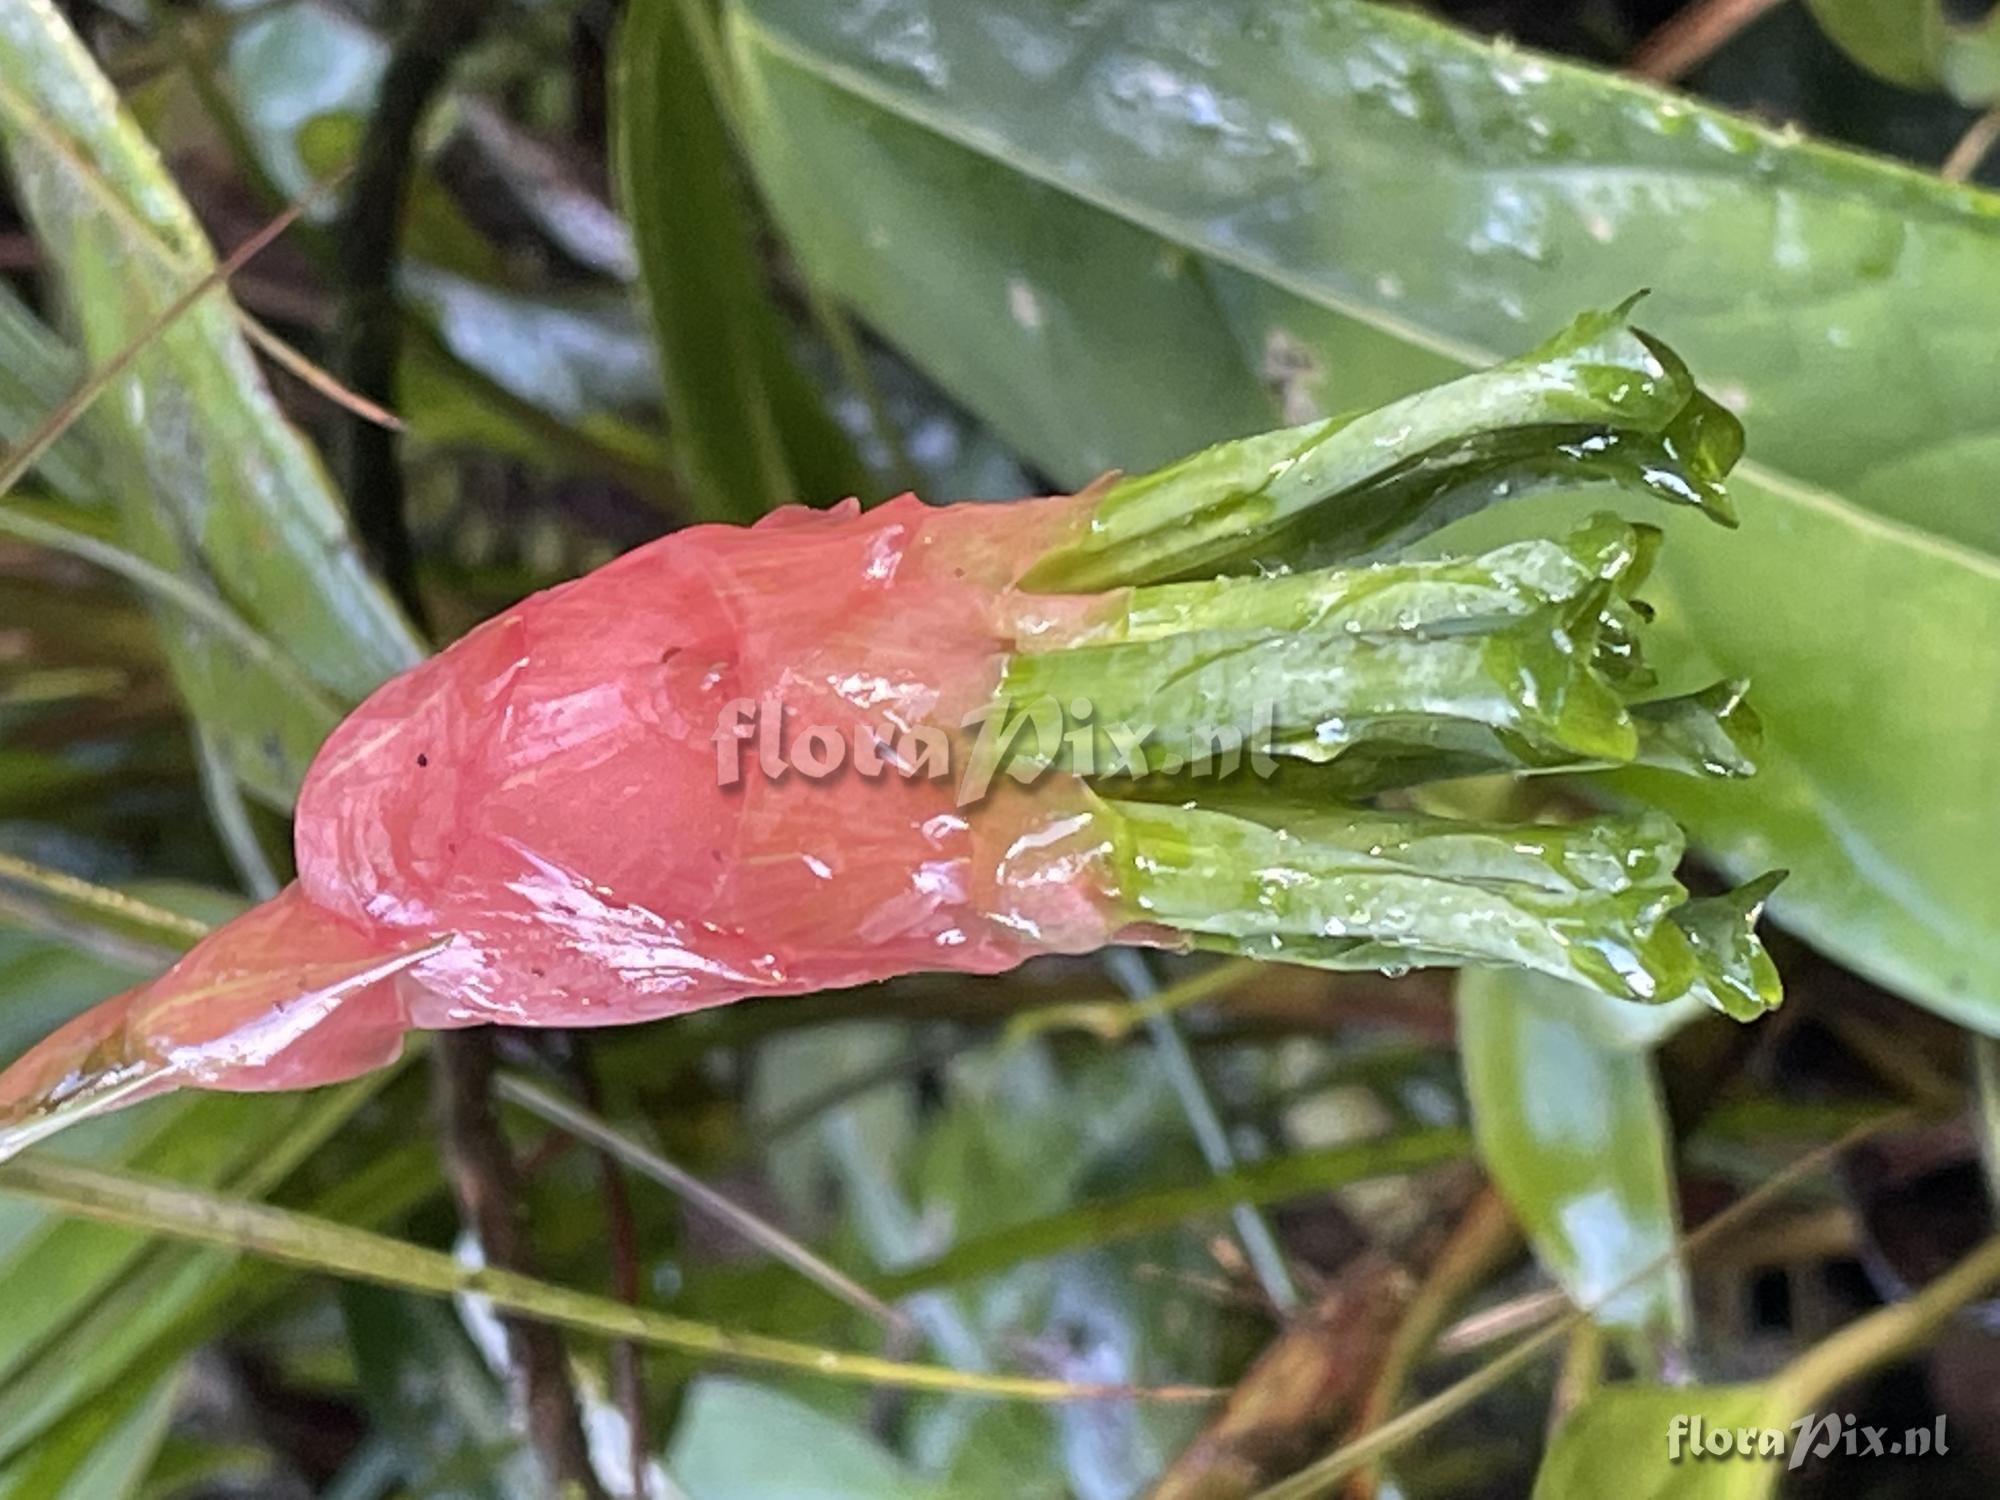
[[1382, 75], [900, 34], [1039, 54], [1723, 135], [1185, 120], [1513, 222], [1023, 305]]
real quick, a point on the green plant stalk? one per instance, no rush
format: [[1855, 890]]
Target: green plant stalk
[[157, 1207], [1253, 1232], [1102, 1221], [1885, 1335], [1320, 1477], [104, 902], [590, 1128]]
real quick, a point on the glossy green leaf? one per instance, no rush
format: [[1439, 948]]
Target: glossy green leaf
[[738, 1441], [1618, 1442], [212, 481], [1918, 44], [747, 430], [1119, 231], [1574, 1134]]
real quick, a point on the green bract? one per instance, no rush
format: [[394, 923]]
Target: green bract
[[1598, 403], [1239, 719]]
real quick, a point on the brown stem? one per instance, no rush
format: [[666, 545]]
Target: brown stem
[[628, 1371], [1316, 1377], [368, 243], [1972, 147], [1301, 1387], [1482, 1241], [1693, 36], [483, 1176]]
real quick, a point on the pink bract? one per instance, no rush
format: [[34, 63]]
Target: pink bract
[[532, 827]]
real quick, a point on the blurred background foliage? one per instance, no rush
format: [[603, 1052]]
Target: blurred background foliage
[[664, 261]]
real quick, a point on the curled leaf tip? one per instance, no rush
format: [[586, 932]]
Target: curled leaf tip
[[1736, 975], [1600, 403]]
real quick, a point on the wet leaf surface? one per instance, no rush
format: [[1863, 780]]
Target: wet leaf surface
[[1574, 1134]]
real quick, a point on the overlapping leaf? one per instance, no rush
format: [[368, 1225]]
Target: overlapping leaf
[[1919, 44], [1573, 1132], [749, 432], [212, 482]]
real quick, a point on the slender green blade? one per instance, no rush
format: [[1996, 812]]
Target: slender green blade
[[37, 371], [213, 483], [104, 1452], [162, 1207], [747, 430]]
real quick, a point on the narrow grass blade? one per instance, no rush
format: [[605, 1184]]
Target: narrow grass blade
[[159, 1207]]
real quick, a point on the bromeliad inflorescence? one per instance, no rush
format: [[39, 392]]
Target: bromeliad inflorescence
[[544, 824]]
